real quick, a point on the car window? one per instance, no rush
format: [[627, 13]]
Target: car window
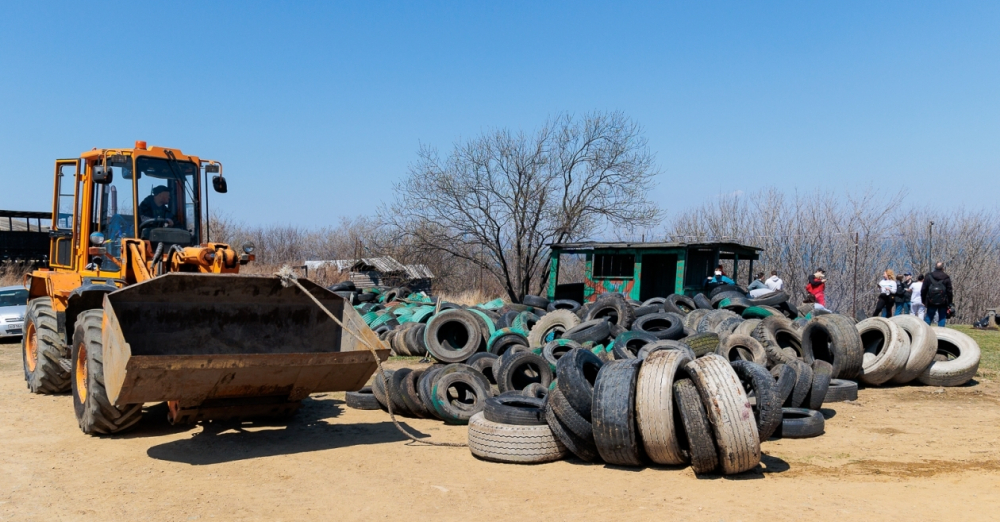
[[13, 297]]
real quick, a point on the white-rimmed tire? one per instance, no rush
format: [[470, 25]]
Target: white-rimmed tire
[[886, 349], [923, 346], [513, 443], [654, 406], [956, 359]]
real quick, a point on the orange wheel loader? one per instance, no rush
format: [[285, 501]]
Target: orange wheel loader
[[138, 305]]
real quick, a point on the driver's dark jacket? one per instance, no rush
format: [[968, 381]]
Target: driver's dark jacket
[[148, 209]]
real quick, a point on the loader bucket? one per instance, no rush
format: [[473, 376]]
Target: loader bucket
[[225, 346]]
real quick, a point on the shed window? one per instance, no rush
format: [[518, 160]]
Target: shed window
[[614, 265]]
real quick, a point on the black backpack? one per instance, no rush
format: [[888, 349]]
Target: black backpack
[[937, 294]]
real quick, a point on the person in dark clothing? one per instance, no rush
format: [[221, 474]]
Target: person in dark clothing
[[936, 293], [155, 206], [903, 294]]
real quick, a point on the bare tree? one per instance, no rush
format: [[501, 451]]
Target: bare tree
[[499, 199]]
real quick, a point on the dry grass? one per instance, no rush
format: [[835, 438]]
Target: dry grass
[[12, 274], [989, 346], [467, 298]]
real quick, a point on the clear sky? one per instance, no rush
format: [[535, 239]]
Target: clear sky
[[316, 108]]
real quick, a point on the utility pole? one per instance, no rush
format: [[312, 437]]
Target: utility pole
[[930, 246], [856, 237]]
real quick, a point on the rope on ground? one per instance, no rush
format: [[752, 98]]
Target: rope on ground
[[288, 278]]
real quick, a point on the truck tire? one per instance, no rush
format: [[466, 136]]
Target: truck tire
[[517, 444], [555, 349], [518, 370], [379, 390], [738, 347], [923, 347], [614, 308], [616, 432], [755, 378], [654, 406], [468, 399], [46, 359], [362, 399], [834, 339], [729, 412], [94, 412], [666, 325], [886, 347], [651, 348], [583, 449], [696, 436], [555, 324], [515, 409], [679, 304], [595, 331], [803, 383], [453, 336], [702, 343], [784, 380], [395, 393], [577, 372], [956, 360], [820, 385], [628, 344]]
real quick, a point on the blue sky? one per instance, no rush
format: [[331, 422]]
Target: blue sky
[[316, 108]]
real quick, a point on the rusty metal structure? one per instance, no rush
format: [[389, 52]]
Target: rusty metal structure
[[137, 307], [643, 270]]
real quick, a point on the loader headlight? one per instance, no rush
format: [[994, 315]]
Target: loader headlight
[[97, 239], [248, 247]]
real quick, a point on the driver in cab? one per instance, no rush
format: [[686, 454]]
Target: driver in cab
[[155, 206]]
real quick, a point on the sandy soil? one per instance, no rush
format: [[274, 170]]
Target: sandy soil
[[911, 453]]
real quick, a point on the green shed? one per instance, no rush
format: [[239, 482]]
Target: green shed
[[643, 270]]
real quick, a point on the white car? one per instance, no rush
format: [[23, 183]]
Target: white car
[[13, 300]]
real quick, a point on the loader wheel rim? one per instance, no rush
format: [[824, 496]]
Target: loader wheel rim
[[31, 346], [81, 373]]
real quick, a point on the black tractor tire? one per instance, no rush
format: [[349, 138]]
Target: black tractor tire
[[45, 356], [94, 411], [695, 433], [362, 399], [616, 432], [800, 423], [515, 409], [757, 380], [577, 372], [519, 370]]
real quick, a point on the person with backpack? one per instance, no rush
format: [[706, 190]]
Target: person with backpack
[[886, 289], [903, 294], [936, 295], [916, 305]]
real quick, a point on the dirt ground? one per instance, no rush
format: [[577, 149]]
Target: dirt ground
[[909, 453]]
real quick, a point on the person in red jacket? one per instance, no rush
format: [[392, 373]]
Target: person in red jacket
[[817, 286]]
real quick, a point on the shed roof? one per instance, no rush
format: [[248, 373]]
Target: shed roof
[[592, 245]]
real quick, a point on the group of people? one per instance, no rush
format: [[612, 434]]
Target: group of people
[[761, 285], [929, 296]]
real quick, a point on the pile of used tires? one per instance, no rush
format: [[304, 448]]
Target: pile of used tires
[[671, 380]]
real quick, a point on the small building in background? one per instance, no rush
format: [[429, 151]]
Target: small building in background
[[378, 271], [643, 270]]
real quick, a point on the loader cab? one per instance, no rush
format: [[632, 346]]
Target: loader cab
[[97, 200]]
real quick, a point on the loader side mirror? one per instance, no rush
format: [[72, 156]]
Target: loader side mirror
[[101, 175], [219, 184]]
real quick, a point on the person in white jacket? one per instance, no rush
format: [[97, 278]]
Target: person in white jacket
[[774, 282], [917, 307]]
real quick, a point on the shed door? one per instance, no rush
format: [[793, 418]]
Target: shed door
[[659, 274]]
